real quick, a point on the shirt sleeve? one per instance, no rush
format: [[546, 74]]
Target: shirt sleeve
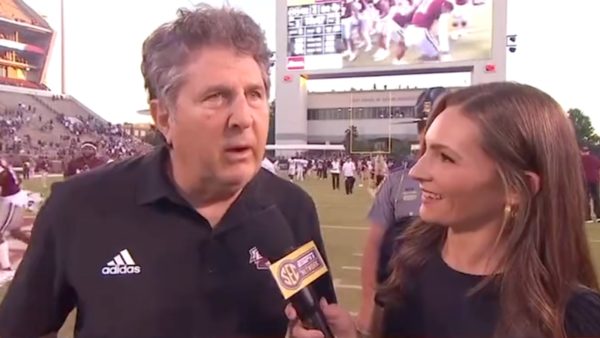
[[39, 298], [382, 210], [582, 318]]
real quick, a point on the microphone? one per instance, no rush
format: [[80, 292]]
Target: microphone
[[293, 269]]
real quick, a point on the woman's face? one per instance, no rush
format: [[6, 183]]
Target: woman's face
[[461, 186]]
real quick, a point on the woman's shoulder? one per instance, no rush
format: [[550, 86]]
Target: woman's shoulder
[[582, 317]]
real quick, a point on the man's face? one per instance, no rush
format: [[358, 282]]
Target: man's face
[[218, 127], [88, 151]]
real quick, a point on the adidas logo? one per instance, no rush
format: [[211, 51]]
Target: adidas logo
[[121, 264]]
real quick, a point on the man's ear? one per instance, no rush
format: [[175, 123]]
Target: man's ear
[[162, 119]]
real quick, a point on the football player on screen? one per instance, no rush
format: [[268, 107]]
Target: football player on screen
[[351, 22], [381, 29], [419, 33], [400, 17]]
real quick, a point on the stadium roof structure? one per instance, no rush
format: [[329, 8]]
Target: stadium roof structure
[[36, 20]]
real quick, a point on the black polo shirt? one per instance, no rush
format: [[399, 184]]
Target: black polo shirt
[[120, 245]]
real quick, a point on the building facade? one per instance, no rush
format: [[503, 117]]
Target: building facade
[[376, 114]]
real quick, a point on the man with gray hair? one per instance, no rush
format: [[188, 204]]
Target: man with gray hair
[[165, 244]]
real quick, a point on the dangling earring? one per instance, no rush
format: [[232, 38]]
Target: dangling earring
[[509, 211]]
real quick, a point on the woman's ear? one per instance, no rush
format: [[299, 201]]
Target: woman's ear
[[534, 182]]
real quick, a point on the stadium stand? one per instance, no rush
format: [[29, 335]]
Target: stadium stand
[[36, 124]]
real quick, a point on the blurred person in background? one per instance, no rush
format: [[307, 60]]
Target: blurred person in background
[[88, 160], [42, 167], [591, 170], [380, 168], [335, 171], [499, 248], [349, 172]]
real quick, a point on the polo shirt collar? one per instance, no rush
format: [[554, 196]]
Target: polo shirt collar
[[154, 184]]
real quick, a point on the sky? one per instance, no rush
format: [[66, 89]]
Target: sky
[[103, 42]]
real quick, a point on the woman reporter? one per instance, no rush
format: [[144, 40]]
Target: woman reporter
[[500, 248]]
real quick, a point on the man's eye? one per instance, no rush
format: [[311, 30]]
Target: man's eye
[[217, 97], [255, 94]]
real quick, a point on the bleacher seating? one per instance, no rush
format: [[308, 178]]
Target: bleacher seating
[[37, 123], [66, 105]]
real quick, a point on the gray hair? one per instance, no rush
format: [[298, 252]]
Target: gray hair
[[166, 51]]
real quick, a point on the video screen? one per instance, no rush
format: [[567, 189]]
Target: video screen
[[341, 34]]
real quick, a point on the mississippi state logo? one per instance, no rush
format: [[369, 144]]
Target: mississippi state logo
[[258, 260]]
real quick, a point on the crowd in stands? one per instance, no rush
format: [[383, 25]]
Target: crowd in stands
[[27, 134]]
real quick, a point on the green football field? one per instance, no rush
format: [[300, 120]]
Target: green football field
[[344, 227]]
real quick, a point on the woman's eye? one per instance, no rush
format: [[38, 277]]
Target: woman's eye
[[446, 158]]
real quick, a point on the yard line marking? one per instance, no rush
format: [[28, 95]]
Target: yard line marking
[[357, 254], [354, 314], [355, 268], [348, 286], [337, 283], [343, 227]]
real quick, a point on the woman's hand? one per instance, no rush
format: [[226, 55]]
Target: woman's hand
[[339, 320]]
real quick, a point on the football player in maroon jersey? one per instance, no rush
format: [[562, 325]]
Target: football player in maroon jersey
[[13, 202], [367, 15], [87, 161], [398, 15], [381, 28], [349, 22], [419, 35], [401, 15]]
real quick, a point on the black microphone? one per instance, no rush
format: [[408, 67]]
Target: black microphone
[[293, 268]]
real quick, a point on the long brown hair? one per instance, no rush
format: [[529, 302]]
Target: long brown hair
[[546, 254]]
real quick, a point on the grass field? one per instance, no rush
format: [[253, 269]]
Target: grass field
[[344, 229]]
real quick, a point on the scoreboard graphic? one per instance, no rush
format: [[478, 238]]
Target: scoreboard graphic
[[314, 29], [345, 34]]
